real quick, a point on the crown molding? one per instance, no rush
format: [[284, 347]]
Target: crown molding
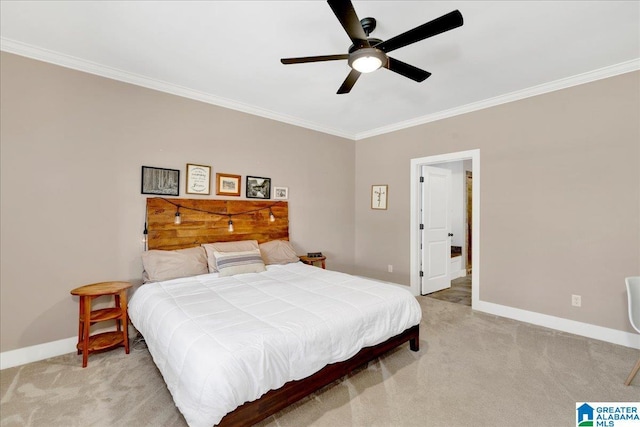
[[602, 73], [67, 61]]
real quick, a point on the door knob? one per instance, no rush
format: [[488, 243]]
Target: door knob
[[450, 234]]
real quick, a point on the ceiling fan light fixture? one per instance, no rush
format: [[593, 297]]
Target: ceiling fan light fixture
[[367, 54], [367, 60]]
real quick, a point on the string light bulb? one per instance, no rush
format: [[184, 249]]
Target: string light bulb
[[177, 220], [145, 234]]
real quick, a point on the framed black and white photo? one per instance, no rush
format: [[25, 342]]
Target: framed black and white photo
[[258, 187], [227, 184], [165, 182], [281, 193], [198, 179], [379, 196]]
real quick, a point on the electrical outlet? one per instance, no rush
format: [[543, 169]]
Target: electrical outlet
[[576, 300], [390, 268]]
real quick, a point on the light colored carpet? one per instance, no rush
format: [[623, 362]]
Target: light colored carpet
[[472, 370], [459, 292]]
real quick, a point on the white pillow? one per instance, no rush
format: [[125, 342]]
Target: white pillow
[[278, 252], [166, 265], [239, 246], [230, 263]]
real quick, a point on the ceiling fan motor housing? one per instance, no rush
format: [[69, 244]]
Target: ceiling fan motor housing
[[372, 42], [370, 55]]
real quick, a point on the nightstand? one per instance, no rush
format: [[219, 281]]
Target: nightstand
[[105, 340], [312, 260]]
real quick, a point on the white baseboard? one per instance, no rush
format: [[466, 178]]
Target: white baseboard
[[614, 336], [458, 274], [34, 353]]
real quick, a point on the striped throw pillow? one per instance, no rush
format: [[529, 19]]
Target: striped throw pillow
[[230, 263]]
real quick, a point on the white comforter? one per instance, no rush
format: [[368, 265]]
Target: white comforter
[[222, 341]]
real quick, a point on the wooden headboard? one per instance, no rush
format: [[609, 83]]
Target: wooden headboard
[[206, 221]]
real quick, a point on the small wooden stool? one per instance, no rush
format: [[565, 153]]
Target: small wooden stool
[[105, 340]]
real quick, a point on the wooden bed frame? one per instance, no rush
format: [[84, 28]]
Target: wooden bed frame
[[205, 221], [275, 400]]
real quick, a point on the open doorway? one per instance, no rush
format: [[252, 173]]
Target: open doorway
[[419, 268], [444, 261]]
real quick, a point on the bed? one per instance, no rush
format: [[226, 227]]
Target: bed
[[236, 346]]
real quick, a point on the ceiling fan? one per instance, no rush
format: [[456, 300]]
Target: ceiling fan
[[367, 54]]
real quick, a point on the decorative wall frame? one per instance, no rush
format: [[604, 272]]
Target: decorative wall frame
[[258, 187], [281, 193], [379, 196], [228, 185], [165, 182], [198, 179]]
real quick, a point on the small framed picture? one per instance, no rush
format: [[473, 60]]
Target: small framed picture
[[281, 193], [258, 187], [198, 179], [165, 182], [227, 184], [379, 195]]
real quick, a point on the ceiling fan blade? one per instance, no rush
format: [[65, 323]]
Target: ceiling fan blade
[[347, 16], [313, 59], [349, 82], [432, 28], [404, 69]]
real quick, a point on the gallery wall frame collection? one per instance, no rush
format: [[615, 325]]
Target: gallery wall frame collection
[[166, 182]]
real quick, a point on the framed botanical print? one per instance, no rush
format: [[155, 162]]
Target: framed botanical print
[[379, 194]]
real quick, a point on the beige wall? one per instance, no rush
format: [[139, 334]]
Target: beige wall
[[560, 210], [560, 198], [72, 145]]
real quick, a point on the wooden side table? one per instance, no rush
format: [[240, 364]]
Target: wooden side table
[[105, 340], [313, 260]]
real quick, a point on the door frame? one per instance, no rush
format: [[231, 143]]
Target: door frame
[[414, 223]]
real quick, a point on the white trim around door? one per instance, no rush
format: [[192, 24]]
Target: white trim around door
[[414, 223]]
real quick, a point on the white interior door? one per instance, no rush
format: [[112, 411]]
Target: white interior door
[[436, 229]]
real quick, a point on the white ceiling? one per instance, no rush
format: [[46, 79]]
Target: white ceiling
[[228, 53]]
